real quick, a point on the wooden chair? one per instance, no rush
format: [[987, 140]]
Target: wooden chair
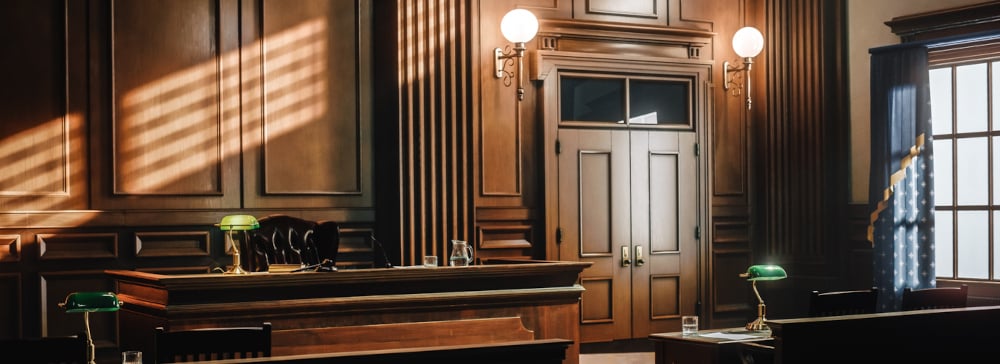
[[939, 297], [283, 239], [47, 350], [837, 303], [212, 344]]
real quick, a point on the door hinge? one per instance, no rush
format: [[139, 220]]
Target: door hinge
[[558, 147], [697, 149], [697, 232], [558, 235]]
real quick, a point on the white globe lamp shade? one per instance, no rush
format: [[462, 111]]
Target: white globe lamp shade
[[519, 26], [748, 42]]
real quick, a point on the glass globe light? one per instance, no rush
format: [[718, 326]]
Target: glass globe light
[[748, 42], [519, 26]]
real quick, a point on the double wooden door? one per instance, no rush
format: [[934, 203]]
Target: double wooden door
[[628, 203]]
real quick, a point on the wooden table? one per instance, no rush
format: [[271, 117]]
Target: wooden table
[[362, 309], [706, 347]]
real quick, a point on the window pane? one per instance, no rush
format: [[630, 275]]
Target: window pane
[[973, 241], [996, 243], [658, 102], [943, 243], [996, 170], [942, 173], [941, 100], [971, 101], [592, 99], [996, 95], [973, 178]]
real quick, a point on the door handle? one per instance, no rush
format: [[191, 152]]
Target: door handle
[[625, 259], [638, 256]]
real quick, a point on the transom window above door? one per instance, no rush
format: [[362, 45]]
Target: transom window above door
[[603, 100]]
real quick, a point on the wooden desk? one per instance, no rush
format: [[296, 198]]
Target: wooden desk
[[315, 313], [703, 348]]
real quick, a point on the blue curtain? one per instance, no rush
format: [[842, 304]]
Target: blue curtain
[[900, 194]]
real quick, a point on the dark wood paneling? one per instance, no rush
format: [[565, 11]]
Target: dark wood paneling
[[312, 95], [168, 136], [153, 244], [43, 141], [428, 199], [11, 312], [77, 246], [10, 248], [55, 286]]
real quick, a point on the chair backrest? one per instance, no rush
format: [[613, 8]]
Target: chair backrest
[[283, 239], [837, 303], [47, 350], [212, 344], [939, 297]]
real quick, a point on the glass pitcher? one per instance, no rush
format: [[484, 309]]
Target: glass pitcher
[[461, 254]]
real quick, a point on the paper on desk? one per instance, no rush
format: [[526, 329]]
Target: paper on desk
[[727, 336]]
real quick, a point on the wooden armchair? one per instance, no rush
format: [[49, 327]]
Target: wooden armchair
[[283, 239], [939, 297], [843, 302], [47, 350], [212, 344]]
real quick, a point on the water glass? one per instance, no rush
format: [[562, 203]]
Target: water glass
[[131, 357], [689, 325], [430, 261]]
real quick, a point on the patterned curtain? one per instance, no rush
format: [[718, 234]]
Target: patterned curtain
[[901, 186]]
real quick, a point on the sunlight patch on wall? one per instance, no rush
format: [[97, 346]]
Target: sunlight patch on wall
[[36, 160]]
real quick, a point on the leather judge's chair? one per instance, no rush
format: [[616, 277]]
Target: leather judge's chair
[[212, 343], [837, 303], [283, 239], [938, 297]]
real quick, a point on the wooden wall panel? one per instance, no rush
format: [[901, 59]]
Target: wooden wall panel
[[153, 244], [55, 286], [11, 312], [430, 177], [76, 246], [43, 159], [10, 248], [172, 138], [307, 103]]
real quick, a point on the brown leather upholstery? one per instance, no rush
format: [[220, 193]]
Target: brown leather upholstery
[[283, 239]]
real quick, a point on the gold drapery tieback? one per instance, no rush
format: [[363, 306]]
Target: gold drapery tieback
[[887, 192]]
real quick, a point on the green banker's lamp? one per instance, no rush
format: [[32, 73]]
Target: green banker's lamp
[[237, 223], [756, 273], [88, 302]]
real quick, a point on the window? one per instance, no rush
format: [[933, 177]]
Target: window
[[965, 107], [663, 102]]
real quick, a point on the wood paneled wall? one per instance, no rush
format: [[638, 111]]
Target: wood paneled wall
[[425, 108]]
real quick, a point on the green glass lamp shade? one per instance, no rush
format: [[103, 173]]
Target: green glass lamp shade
[[239, 222], [768, 272], [91, 302]]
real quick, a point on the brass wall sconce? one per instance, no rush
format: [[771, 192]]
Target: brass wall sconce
[[747, 42], [762, 273], [237, 223], [519, 26]]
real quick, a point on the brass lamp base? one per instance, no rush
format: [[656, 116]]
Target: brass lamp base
[[758, 324], [236, 268]]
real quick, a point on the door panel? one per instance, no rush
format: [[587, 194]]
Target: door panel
[[664, 218], [593, 215], [627, 203]]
